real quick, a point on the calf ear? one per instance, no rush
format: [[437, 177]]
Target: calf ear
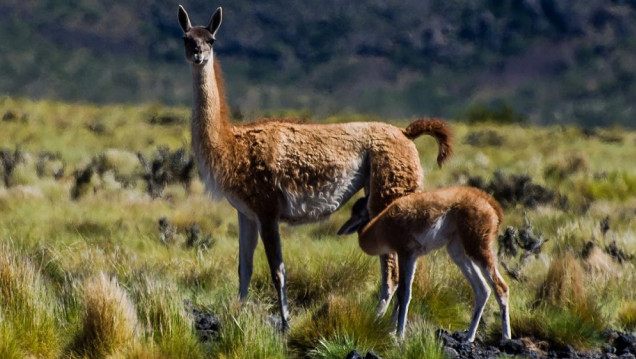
[[351, 226], [184, 20]]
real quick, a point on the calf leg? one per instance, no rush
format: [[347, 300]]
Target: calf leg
[[500, 288], [389, 272], [407, 264], [472, 273]]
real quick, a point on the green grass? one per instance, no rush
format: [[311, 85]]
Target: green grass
[[66, 263]]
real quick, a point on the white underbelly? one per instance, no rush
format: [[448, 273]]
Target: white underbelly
[[314, 204], [435, 236]]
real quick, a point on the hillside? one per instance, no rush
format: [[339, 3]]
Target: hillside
[[549, 61]]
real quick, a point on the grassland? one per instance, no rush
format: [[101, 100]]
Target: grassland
[[91, 275]]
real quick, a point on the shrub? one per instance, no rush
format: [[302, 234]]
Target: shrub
[[616, 185], [499, 112]]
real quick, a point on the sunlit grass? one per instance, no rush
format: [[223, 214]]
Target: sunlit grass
[[54, 249]]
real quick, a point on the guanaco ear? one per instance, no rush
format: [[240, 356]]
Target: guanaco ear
[[351, 226], [184, 20], [215, 21]]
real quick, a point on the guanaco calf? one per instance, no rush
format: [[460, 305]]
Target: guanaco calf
[[464, 219]]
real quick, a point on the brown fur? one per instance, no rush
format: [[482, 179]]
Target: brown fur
[[438, 129], [477, 215], [252, 162]]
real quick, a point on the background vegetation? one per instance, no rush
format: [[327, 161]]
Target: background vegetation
[[105, 254], [551, 61]]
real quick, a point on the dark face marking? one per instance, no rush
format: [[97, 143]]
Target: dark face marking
[[198, 45]]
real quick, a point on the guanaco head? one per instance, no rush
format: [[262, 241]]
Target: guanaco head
[[359, 217], [198, 40]]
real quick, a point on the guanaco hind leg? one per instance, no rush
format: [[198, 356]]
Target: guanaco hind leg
[[248, 239]]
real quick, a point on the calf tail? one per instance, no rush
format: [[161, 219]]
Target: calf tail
[[436, 128]]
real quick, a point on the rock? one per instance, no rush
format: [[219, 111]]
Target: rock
[[372, 355], [625, 343], [354, 355], [446, 338], [206, 324], [511, 346], [565, 352]]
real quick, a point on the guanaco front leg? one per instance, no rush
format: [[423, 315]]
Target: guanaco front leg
[[271, 241]]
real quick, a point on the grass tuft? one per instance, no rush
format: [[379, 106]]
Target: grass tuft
[[338, 324], [563, 285], [627, 316], [563, 312], [109, 322], [27, 324], [247, 333], [163, 316]]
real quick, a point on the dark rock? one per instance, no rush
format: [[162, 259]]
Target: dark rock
[[627, 356], [372, 355], [206, 324], [608, 349], [354, 355], [511, 346], [565, 352], [625, 343], [446, 338]]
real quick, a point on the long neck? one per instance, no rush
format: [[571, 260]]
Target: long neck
[[211, 130]]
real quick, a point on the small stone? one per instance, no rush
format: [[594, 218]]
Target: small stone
[[354, 355]]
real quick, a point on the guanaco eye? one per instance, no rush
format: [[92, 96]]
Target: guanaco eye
[[211, 41]]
